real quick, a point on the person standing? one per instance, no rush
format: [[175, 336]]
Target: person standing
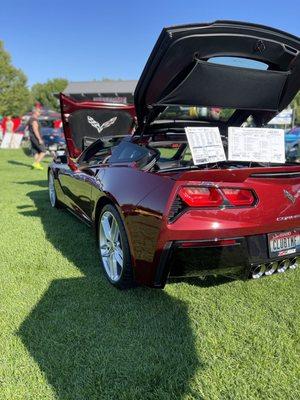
[[36, 140]]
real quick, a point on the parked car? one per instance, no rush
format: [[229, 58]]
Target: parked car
[[155, 212], [21, 129], [53, 138], [293, 152], [292, 136]]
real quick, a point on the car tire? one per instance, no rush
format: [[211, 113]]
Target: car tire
[[114, 250], [52, 192]]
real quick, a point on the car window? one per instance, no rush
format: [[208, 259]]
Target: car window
[[128, 152], [239, 62], [46, 123], [196, 113], [98, 151], [168, 151]]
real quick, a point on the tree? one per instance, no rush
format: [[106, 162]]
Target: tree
[[44, 92], [296, 107], [14, 94]]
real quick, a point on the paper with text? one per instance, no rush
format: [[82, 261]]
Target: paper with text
[[205, 144], [264, 145]]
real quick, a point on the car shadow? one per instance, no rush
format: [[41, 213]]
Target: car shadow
[[29, 165], [93, 341], [203, 282], [20, 164], [42, 183]]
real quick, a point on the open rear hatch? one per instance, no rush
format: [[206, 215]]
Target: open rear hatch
[[87, 121], [180, 70]]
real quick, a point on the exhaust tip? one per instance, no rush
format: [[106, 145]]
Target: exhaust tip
[[295, 262], [283, 266], [258, 271], [271, 268]]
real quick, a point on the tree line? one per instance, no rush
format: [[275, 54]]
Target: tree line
[[16, 98]]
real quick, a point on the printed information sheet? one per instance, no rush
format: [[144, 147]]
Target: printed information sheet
[[205, 144], [256, 144]]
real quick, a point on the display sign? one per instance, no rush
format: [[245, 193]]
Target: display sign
[[256, 144], [205, 145]]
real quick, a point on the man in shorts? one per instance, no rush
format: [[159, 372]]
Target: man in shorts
[[36, 140]]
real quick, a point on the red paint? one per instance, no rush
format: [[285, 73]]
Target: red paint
[[236, 203]]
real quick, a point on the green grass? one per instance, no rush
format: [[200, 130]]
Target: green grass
[[66, 334]]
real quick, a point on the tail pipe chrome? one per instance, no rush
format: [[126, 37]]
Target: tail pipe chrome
[[268, 269]]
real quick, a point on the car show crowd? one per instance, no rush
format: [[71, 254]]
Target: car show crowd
[[14, 131]]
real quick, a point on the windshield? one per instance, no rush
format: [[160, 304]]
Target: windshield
[[195, 113]]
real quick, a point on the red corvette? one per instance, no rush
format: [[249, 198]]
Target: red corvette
[[156, 210]]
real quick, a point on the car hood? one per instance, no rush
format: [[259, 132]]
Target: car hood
[[87, 121], [178, 71]]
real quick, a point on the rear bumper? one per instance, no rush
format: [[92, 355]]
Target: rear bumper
[[235, 257]]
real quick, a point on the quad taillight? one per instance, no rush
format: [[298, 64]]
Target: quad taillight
[[239, 197], [201, 196], [197, 196]]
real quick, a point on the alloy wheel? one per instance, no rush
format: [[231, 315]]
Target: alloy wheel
[[110, 246], [52, 194]]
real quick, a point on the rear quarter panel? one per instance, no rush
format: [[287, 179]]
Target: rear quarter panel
[[141, 198]]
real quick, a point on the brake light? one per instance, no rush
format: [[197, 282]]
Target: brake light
[[201, 196], [195, 196], [239, 197]]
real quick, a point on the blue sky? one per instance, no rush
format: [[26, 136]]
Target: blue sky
[[85, 40]]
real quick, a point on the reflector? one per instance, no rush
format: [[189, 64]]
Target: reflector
[[210, 243]]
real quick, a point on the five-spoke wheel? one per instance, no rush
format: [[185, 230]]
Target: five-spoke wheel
[[114, 248], [52, 192]]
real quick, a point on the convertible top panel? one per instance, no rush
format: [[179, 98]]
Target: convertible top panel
[[178, 71], [231, 87]]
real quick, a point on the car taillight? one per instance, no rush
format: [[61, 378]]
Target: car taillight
[[195, 196], [201, 196], [239, 197]]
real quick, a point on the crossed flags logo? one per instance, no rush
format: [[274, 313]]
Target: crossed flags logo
[[100, 127]]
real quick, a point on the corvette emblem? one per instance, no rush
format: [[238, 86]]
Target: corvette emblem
[[99, 127], [289, 196]]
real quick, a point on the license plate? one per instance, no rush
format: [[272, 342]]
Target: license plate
[[284, 243]]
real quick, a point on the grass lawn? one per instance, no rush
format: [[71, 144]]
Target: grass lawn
[[66, 334]]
